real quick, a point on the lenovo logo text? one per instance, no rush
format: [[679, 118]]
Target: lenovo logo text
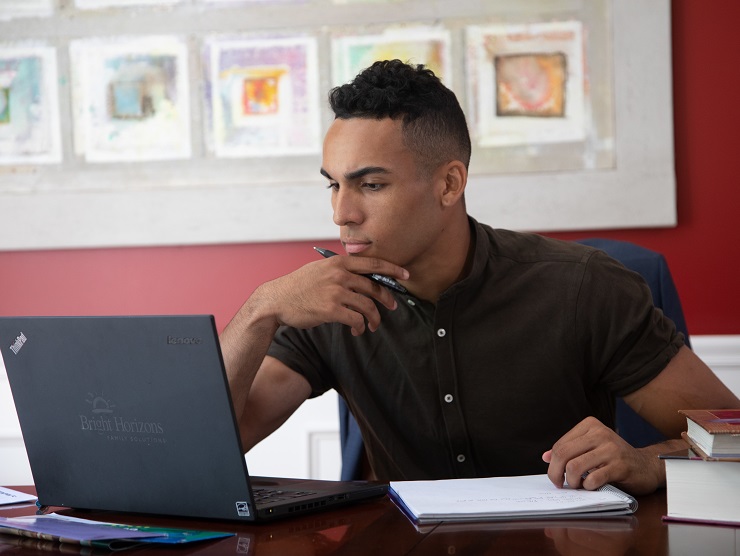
[[174, 340]]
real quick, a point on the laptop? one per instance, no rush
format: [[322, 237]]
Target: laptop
[[133, 414]]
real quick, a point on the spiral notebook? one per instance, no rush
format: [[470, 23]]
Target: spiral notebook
[[505, 498]]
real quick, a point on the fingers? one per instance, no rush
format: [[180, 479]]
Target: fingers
[[357, 310], [561, 454], [358, 291], [371, 265], [379, 272], [332, 290], [592, 455], [588, 456]]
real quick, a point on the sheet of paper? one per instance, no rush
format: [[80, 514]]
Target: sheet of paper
[[10, 496]]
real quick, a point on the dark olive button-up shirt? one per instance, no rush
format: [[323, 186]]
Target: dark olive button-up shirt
[[540, 334]]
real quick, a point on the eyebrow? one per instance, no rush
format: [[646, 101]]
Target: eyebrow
[[359, 173]]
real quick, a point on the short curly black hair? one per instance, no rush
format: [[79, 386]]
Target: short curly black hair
[[434, 126]]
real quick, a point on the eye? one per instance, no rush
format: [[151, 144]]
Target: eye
[[373, 186], [333, 185]]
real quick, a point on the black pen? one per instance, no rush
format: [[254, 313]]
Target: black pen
[[379, 278]]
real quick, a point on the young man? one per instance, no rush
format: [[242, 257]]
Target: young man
[[506, 352]]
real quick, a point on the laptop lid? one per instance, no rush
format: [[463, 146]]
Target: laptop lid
[[133, 414]]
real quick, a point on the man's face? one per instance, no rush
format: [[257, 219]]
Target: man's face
[[385, 207]]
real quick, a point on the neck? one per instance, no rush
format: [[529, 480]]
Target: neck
[[449, 263]]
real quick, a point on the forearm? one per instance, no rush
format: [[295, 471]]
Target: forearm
[[244, 344], [654, 465]]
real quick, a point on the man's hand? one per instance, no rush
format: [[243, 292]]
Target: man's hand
[[591, 455], [593, 449], [331, 290]]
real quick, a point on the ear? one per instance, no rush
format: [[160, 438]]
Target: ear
[[454, 176]]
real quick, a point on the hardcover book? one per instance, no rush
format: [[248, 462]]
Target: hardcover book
[[702, 490], [716, 432]]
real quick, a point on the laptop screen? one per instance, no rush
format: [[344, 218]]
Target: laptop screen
[[127, 414]]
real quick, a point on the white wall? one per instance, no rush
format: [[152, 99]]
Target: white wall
[[307, 445], [14, 469]]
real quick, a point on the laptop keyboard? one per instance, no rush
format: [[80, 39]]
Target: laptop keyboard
[[269, 495]]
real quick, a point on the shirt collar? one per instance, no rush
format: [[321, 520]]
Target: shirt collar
[[480, 258]]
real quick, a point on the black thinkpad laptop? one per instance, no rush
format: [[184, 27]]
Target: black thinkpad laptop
[[133, 414]]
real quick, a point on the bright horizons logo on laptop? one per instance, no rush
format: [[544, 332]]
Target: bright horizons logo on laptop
[[116, 428]]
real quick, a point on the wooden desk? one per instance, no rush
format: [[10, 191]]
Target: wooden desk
[[379, 528]]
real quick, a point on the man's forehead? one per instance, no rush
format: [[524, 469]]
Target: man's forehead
[[363, 141], [357, 147]]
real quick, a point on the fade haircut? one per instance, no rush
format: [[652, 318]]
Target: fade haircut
[[434, 126]]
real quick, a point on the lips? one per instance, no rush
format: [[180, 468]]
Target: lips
[[355, 248]]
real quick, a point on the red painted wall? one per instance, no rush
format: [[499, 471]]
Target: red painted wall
[[702, 250]]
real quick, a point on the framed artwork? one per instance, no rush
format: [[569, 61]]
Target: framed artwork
[[131, 99], [263, 96], [365, 1], [568, 103], [13, 9], [248, 2], [29, 106], [99, 4], [414, 44], [605, 162], [527, 83]]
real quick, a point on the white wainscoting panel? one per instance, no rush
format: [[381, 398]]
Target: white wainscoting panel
[[14, 468], [722, 355], [306, 445]]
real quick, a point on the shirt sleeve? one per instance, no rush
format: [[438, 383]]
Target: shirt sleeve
[[307, 353], [627, 341]]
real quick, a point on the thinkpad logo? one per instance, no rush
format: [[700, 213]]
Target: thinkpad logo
[[20, 341]]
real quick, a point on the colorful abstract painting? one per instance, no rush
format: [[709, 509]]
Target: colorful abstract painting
[[4, 105], [131, 99], [527, 83], [263, 96], [29, 106], [417, 45], [531, 85]]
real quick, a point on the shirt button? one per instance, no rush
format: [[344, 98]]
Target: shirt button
[[441, 332], [449, 398], [461, 458]]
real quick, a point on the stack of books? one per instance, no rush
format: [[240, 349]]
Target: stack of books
[[703, 483]]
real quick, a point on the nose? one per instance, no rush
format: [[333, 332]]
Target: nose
[[347, 207]]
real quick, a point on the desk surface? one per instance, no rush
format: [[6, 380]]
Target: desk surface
[[378, 527]]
